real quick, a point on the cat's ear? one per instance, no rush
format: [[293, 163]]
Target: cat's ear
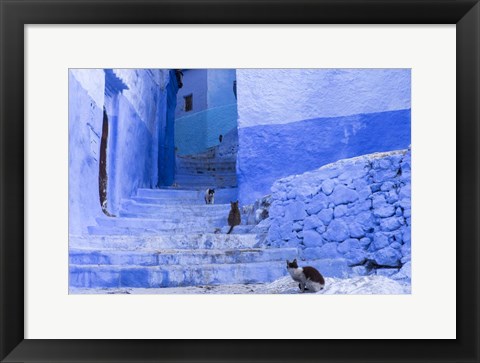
[[295, 260]]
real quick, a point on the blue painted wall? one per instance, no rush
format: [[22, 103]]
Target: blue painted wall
[[274, 96], [220, 87], [295, 120], [196, 133], [214, 109], [85, 112], [167, 141], [195, 82], [134, 115], [269, 152]]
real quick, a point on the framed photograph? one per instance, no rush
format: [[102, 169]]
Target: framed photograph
[[240, 181]]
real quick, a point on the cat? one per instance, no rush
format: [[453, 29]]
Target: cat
[[234, 216], [210, 196], [308, 277]]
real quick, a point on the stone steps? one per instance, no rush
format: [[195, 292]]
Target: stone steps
[[170, 237], [169, 215], [207, 164], [169, 201], [105, 273], [182, 204], [103, 276], [205, 181], [184, 257], [200, 160], [173, 195], [207, 154], [163, 224], [147, 205], [134, 242], [127, 230]]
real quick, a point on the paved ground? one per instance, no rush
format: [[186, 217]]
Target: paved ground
[[365, 285]]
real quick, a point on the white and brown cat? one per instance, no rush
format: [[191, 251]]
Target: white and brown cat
[[308, 277]]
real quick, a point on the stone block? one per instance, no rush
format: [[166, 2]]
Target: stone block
[[391, 224], [391, 197], [388, 257], [384, 211], [326, 215], [340, 211], [337, 231], [319, 202], [312, 222], [378, 200], [328, 186], [365, 242], [343, 195], [355, 257], [356, 230], [295, 211], [387, 186], [359, 207], [348, 245], [380, 241], [312, 238], [286, 231]]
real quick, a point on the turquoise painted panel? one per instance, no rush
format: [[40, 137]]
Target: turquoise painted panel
[[197, 132]]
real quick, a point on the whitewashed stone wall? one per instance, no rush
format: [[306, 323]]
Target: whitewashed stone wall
[[355, 213]]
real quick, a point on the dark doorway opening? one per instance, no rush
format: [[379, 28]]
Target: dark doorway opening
[[102, 173]]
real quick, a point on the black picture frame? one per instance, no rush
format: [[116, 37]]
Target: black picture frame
[[17, 13]]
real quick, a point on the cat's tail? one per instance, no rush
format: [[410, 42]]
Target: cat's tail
[[230, 230]]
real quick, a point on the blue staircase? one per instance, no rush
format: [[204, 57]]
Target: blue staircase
[[170, 238]]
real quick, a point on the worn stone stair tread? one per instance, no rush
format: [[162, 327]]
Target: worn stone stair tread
[[174, 275], [170, 237], [170, 230], [150, 204], [159, 241], [175, 217], [133, 222], [183, 193], [185, 257]]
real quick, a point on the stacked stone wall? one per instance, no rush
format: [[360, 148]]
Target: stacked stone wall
[[355, 214]]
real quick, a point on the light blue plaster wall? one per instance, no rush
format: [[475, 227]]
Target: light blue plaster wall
[[199, 129], [220, 87], [273, 96], [85, 115], [194, 82], [132, 150], [196, 133], [295, 120]]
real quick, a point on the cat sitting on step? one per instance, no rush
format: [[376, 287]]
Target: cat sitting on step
[[210, 196], [234, 216], [308, 277]]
